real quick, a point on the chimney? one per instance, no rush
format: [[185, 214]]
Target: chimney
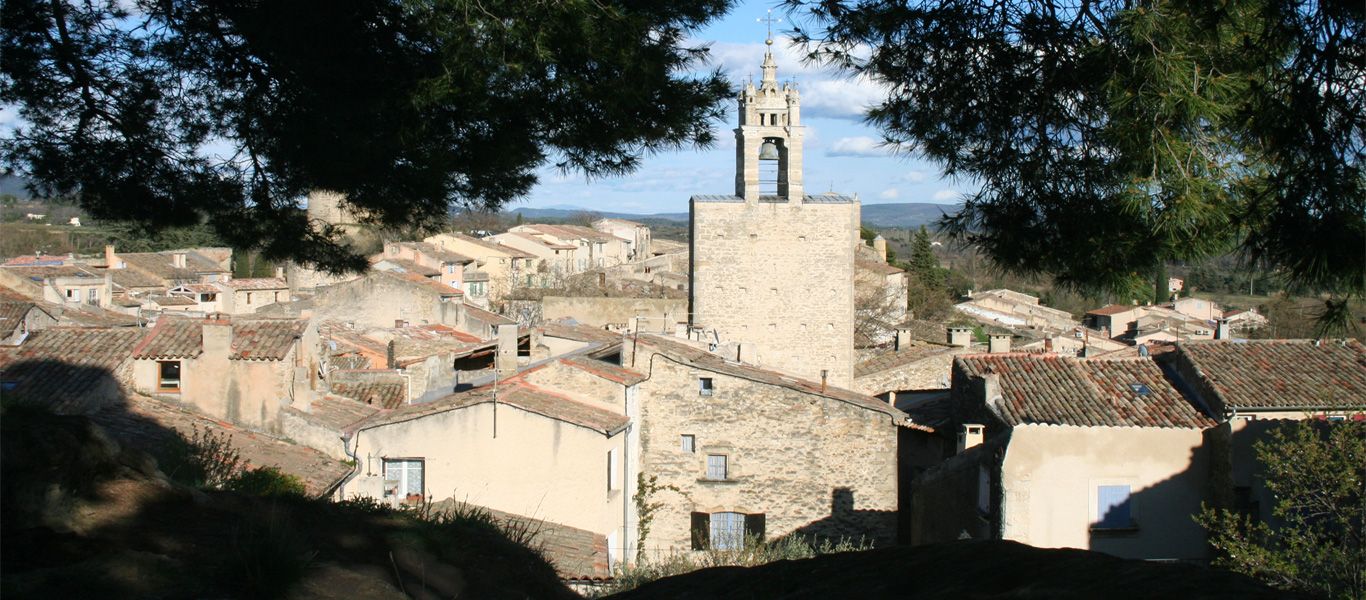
[[746, 353], [390, 361], [998, 343], [279, 272], [880, 245], [903, 339], [217, 335], [824, 376], [1048, 344], [178, 259], [1221, 329], [505, 361], [398, 323], [970, 436], [960, 336], [110, 259]]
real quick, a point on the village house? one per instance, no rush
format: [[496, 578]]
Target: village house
[[752, 452], [504, 267], [553, 259], [59, 282], [429, 260], [241, 370], [593, 249], [636, 236], [1059, 452], [1015, 310], [910, 365], [248, 295], [174, 267], [20, 317]]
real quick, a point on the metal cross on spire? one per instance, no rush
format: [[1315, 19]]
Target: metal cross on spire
[[770, 20]]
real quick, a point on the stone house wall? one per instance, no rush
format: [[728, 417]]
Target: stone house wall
[[780, 276], [812, 465], [930, 373], [658, 315]]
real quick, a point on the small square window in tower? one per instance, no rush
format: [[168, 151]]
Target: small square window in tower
[[716, 467], [688, 443], [704, 386]]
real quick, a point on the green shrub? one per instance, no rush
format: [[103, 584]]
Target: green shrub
[[203, 460], [755, 552], [266, 482]]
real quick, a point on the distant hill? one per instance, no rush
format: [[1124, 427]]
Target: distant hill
[[901, 215]]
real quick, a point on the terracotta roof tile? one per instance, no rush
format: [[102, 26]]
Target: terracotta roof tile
[[891, 360], [1065, 391], [377, 394], [256, 283], [605, 370], [407, 266], [1112, 309], [488, 245], [63, 367], [428, 284], [264, 339], [438, 253], [172, 338], [705, 360], [337, 413], [132, 278], [572, 330], [1281, 373], [523, 396]]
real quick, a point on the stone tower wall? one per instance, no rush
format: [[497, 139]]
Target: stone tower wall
[[779, 276]]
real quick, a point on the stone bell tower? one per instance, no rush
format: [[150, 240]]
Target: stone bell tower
[[770, 136], [773, 267]]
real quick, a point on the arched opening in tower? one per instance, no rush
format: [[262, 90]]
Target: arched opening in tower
[[771, 153]]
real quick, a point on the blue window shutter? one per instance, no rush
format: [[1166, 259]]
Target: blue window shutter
[[1112, 508]]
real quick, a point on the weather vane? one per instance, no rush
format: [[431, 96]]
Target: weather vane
[[770, 20]]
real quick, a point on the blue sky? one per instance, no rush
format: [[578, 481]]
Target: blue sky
[[842, 154]]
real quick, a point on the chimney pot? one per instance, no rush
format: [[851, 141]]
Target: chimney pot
[[824, 375], [971, 435], [903, 339]]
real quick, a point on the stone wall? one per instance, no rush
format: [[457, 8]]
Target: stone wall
[[930, 373], [658, 314], [812, 465], [781, 276]]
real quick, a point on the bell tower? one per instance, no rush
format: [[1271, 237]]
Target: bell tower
[[768, 140]]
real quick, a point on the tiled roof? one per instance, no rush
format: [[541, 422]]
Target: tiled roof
[[378, 394], [33, 260], [572, 330], [487, 245], [521, 395], [1112, 309], [12, 313], [1050, 389], [161, 264], [476, 276], [575, 553], [905, 356], [256, 283], [85, 315], [408, 266], [172, 338], [879, 267], [264, 339], [37, 273], [423, 282], [570, 232], [198, 288], [438, 253], [337, 413], [172, 300], [605, 370], [62, 368], [1281, 373], [542, 241], [702, 359], [484, 316], [132, 278], [147, 423]]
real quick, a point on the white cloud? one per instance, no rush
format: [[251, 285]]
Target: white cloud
[[945, 195], [911, 177], [889, 194], [825, 92], [858, 146]]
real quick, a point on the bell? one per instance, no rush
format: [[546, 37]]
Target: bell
[[768, 151]]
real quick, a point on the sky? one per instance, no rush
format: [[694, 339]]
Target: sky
[[842, 154]]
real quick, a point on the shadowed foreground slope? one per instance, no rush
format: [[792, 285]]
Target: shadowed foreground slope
[[84, 517], [958, 570]]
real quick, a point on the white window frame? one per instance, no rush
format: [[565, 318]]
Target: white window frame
[[726, 531], [1096, 515], [688, 443], [400, 490], [719, 467]]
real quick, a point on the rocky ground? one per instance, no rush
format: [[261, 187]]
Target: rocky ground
[[86, 518], [957, 571]]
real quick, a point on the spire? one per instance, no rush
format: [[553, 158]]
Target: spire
[[770, 67]]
